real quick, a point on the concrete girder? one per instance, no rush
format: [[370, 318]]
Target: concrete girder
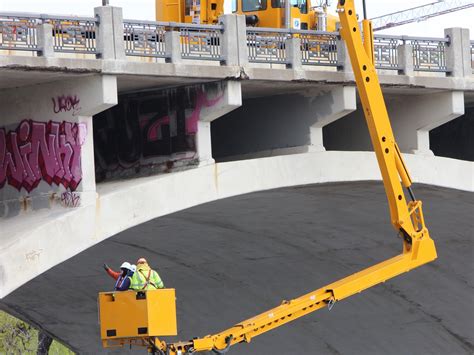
[[228, 100], [414, 116], [282, 124], [328, 108]]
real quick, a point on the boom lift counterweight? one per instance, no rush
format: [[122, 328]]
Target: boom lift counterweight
[[406, 217]]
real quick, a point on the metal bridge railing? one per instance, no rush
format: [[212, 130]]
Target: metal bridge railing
[[267, 45], [18, 32], [201, 42], [386, 52], [318, 48], [429, 54], [144, 39], [73, 34], [70, 34]]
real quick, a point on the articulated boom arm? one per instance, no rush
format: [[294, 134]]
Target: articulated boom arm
[[407, 218]]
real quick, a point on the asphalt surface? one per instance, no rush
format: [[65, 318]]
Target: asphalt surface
[[238, 257]]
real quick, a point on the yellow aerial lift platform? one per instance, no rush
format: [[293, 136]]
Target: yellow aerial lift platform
[[406, 217]]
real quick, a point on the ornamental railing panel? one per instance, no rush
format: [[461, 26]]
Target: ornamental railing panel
[[73, 34], [200, 41], [386, 52], [267, 45], [429, 54], [144, 39], [318, 48], [18, 33]]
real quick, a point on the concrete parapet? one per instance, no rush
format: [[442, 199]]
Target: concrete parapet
[[343, 59], [293, 53], [405, 58], [458, 52], [234, 40], [173, 47], [45, 40], [110, 39], [46, 143]]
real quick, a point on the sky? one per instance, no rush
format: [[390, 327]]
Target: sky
[[145, 10]]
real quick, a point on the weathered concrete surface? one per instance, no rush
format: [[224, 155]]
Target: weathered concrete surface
[[138, 75], [236, 257]]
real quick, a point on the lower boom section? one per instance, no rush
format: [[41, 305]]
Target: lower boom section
[[416, 253]]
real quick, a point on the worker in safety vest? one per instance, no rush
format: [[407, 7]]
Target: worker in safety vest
[[124, 280], [145, 278]]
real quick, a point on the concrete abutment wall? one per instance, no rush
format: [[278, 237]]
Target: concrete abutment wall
[[46, 143]]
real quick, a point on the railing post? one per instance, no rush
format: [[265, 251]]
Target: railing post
[[173, 47], [45, 40], [405, 59], [234, 40], [343, 59], [458, 52], [293, 53], [110, 39]]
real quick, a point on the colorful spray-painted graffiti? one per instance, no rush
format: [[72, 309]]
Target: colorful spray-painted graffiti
[[149, 132], [42, 151]]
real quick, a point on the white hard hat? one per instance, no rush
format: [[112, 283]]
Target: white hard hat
[[126, 265], [133, 267]]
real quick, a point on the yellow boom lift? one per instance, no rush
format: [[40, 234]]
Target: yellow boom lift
[[139, 318], [295, 14]]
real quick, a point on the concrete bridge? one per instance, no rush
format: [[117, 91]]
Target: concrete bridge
[[107, 123]]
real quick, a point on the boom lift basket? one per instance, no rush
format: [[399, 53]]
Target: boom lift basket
[[132, 314]]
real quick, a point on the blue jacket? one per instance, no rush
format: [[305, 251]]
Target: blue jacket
[[123, 282]]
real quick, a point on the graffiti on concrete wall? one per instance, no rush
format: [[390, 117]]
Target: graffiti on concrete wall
[[41, 151], [70, 199], [66, 103], [151, 131]]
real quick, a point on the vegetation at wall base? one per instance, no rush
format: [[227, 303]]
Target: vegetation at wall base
[[17, 337]]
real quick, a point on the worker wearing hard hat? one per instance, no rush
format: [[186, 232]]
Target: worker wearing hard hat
[[145, 278], [115, 274], [124, 280]]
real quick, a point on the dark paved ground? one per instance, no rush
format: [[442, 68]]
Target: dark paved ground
[[237, 257]]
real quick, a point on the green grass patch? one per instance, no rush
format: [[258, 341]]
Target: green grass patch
[[18, 337]]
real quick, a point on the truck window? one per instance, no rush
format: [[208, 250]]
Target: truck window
[[301, 4], [254, 5], [188, 4], [234, 6]]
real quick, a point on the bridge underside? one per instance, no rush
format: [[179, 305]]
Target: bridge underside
[[237, 257]]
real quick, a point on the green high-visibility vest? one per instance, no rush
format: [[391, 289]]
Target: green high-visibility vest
[[146, 279]]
